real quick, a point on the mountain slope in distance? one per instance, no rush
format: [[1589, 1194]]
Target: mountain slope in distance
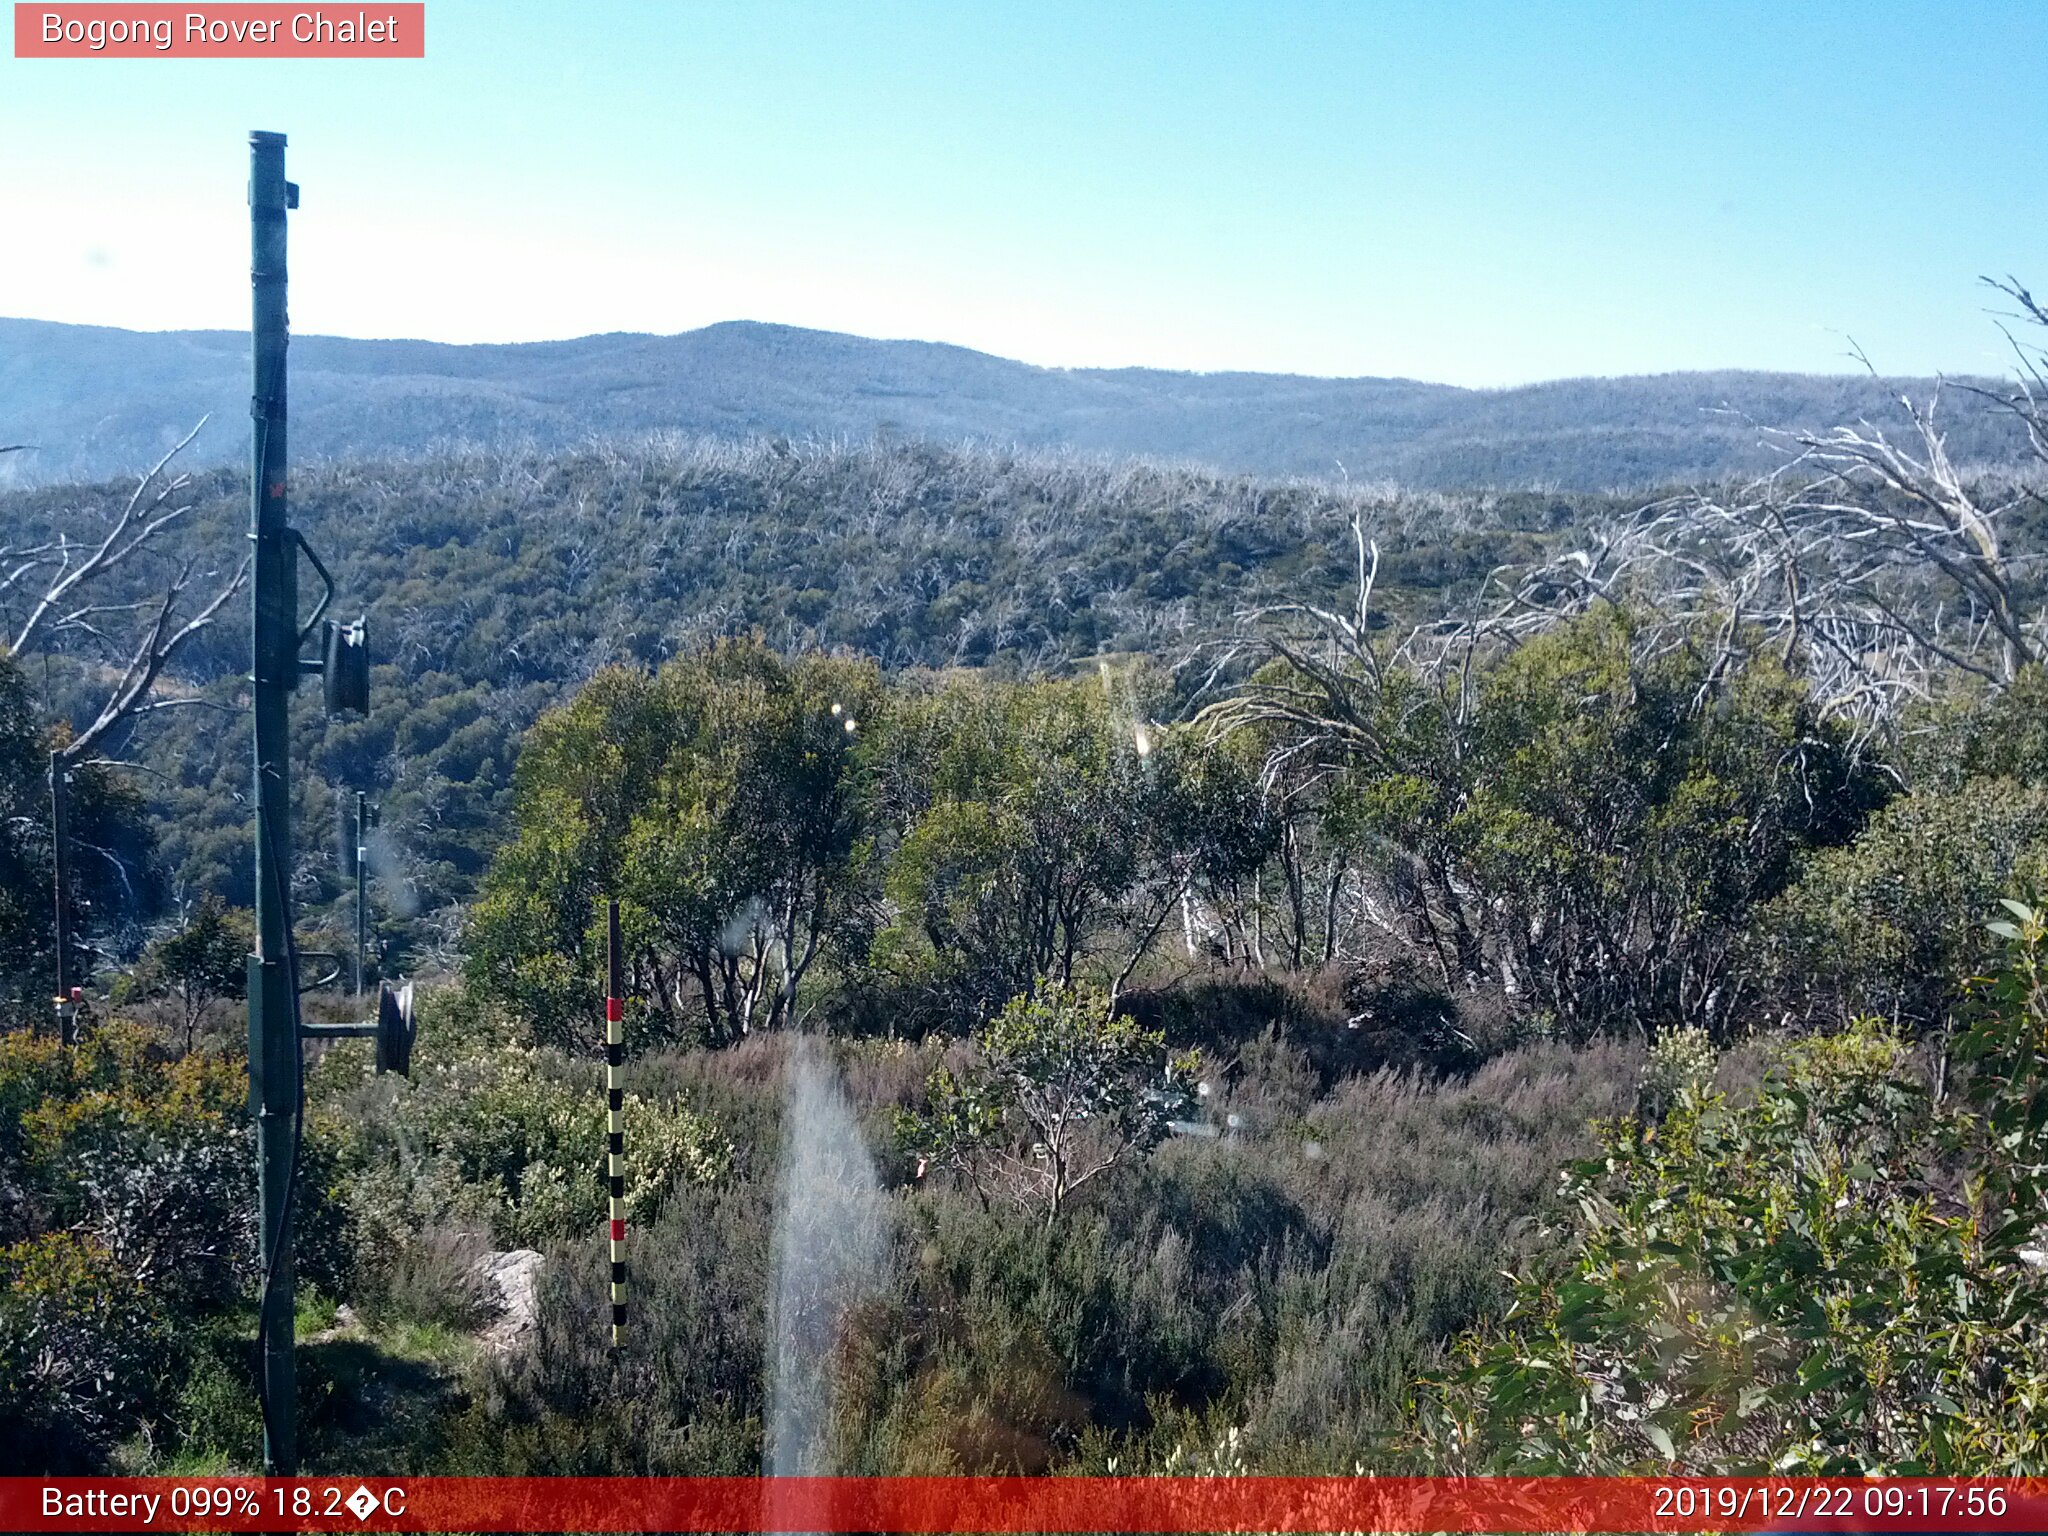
[[98, 402]]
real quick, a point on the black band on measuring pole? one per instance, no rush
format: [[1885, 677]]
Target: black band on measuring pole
[[615, 1101]]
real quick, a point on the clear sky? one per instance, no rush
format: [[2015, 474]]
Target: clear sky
[[1475, 193]]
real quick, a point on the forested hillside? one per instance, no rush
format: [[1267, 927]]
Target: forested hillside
[[496, 583], [1116, 961], [102, 402]]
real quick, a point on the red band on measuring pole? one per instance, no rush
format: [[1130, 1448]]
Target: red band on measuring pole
[[618, 1231], [614, 1009]]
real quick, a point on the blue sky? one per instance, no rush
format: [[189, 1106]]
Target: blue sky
[[1476, 193]]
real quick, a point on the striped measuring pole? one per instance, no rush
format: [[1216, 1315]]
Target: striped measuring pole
[[615, 1112]]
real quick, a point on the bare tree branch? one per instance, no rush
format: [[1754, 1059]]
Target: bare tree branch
[[142, 519], [63, 604]]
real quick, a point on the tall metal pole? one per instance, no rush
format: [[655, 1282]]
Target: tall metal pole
[[60, 839], [359, 893], [273, 1031]]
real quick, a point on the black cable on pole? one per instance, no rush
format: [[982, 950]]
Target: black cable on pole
[[281, 1243]]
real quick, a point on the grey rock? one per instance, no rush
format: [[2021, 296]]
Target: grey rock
[[512, 1281]]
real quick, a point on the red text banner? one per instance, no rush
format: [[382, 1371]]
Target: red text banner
[[1023, 1504], [115, 31]]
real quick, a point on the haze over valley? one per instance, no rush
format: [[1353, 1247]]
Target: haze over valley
[[99, 402]]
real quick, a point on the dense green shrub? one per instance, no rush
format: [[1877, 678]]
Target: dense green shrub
[[1022, 815], [1630, 814], [1826, 1280], [1973, 732], [718, 801], [790, 838], [509, 1140], [150, 1157], [1062, 1091], [1893, 924], [85, 1349], [130, 1201], [1569, 834]]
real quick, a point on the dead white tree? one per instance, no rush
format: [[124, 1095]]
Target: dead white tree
[[2026, 398], [51, 590], [1331, 690], [1869, 559], [1333, 695]]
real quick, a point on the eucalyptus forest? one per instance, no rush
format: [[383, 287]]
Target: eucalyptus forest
[[1317, 976]]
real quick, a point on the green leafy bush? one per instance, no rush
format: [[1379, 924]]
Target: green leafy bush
[[1064, 1090], [84, 1352], [1681, 1061], [151, 1158], [718, 799], [130, 1203], [509, 1139], [1893, 923], [1628, 814], [205, 960], [1827, 1280]]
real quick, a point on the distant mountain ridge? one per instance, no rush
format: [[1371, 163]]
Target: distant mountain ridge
[[99, 402]]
